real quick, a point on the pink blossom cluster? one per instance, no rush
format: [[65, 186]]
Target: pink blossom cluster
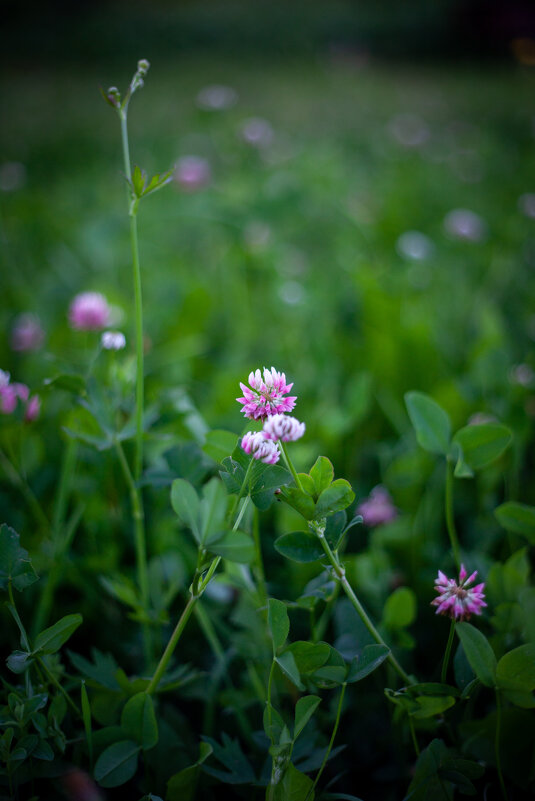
[[455, 600], [12, 393], [256, 445], [265, 395], [378, 508], [89, 311], [283, 427]]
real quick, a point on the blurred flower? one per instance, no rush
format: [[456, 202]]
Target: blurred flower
[[266, 396], [79, 786], [217, 98], [4, 378], [33, 407], [522, 374], [377, 508], [12, 176], [526, 204], [11, 393], [260, 448], [409, 130], [480, 419], [113, 340], [281, 426], [465, 224], [27, 333], [414, 245], [192, 173], [455, 600], [89, 311], [257, 132]]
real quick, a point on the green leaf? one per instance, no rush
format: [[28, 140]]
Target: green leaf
[[157, 182], [429, 706], [69, 382], [239, 771], [478, 652], [15, 564], [482, 444], [212, 511], [186, 504], [335, 498], [86, 716], [236, 546], [366, 662], [304, 709], [322, 474], [286, 662], [263, 486], [278, 622], [295, 786], [299, 501], [518, 518], [117, 764], [219, 444], [430, 422], [400, 609], [515, 673], [309, 656], [138, 180], [299, 546], [138, 721], [50, 640], [18, 661]]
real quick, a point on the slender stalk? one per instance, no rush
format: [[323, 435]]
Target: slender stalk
[[259, 562], [497, 736], [346, 586], [64, 487], [331, 741], [171, 645], [58, 686], [447, 653], [413, 736], [450, 520], [291, 468], [18, 481], [268, 699], [321, 625]]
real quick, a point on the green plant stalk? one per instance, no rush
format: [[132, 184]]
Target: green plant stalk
[[57, 685], [447, 653], [340, 572], [331, 741], [413, 736], [197, 590], [497, 753], [64, 487], [268, 697], [259, 562], [450, 520], [138, 299], [321, 625], [291, 468], [18, 481], [140, 543]]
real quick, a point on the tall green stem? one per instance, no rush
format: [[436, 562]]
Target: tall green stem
[[447, 653], [450, 520], [331, 741], [291, 468], [340, 572], [18, 481]]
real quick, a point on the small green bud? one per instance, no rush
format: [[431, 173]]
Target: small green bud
[[113, 95], [143, 66]]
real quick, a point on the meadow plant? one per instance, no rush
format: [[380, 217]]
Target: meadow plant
[[171, 690]]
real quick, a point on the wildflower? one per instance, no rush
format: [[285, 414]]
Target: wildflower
[[284, 427], [378, 508], [4, 378], [10, 393], [89, 311], [260, 448], [113, 340], [217, 98], [257, 132], [465, 224], [455, 600], [192, 173], [266, 396], [33, 407], [27, 333]]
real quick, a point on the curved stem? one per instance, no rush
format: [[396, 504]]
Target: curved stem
[[447, 653], [331, 741], [413, 736], [259, 562], [171, 645], [58, 686], [340, 572], [291, 468], [450, 520], [497, 744], [268, 699]]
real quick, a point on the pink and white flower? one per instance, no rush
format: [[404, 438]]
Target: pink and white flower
[[89, 311], [283, 427], [256, 444], [12, 393], [265, 395], [455, 600], [378, 508], [113, 340]]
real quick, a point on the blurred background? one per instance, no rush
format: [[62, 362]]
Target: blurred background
[[354, 203]]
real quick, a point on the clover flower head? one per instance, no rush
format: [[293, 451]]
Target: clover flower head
[[11, 393], [284, 427], [455, 599], [27, 333], [265, 395], [33, 407], [113, 340], [89, 311], [378, 508], [256, 444], [192, 173]]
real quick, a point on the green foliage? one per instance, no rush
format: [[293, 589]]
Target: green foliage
[[117, 763], [431, 423], [278, 622], [517, 517], [478, 652], [15, 565], [480, 445], [138, 721]]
